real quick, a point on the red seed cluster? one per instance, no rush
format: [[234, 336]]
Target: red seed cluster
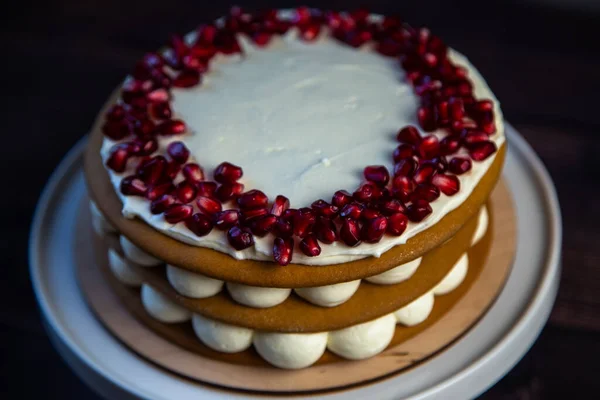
[[425, 166]]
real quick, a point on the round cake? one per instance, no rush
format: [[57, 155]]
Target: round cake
[[301, 182]]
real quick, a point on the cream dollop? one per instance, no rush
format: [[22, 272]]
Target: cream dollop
[[415, 312], [122, 270], [162, 308], [482, 225], [191, 284], [397, 274], [290, 350], [221, 337], [454, 277], [329, 295], [136, 254], [364, 340], [258, 297], [99, 223]]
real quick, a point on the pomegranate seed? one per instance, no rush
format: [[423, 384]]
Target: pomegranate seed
[[350, 232], [186, 192], [409, 134], [448, 184], [155, 191], [391, 206], [119, 154], [377, 174], [459, 165], [325, 209], [449, 145], [229, 191], [193, 173], [173, 169], [158, 96], [162, 203], [199, 224], [374, 229], [262, 226], [226, 219], [303, 222], [366, 192], [484, 105], [425, 191], [488, 127], [207, 205], [160, 111], [253, 199], [178, 213], [261, 38], [283, 250], [282, 228], [397, 224], [403, 151], [481, 150], [144, 128], [280, 204], [426, 119], [475, 136], [133, 186], [456, 108], [152, 170], [187, 78], [172, 127], [341, 198], [194, 63], [440, 163], [302, 15], [310, 246], [206, 188], [325, 230], [289, 214], [352, 210], [249, 215], [369, 213], [418, 210], [240, 238], [146, 147], [402, 188], [117, 130], [424, 172], [227, 172], [178, 152], [458, 126], [429, 147], [441, 113], [309, 32], [405, 167], [115, 113]]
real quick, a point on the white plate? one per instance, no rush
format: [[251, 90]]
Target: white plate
[[464, 370]]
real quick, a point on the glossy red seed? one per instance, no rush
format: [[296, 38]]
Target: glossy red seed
[[186, 192], [152, 170], [397, 224], [441, 163], [187, 78], [352, 210], [481, 150], [410, 135], [321, 207], [263, 225], [227, 172], [178, 152], [282, 228], [449, 145], [178, 213], [115, 113], [325, 230], [119, 154], [159, 189], [303, 222], [377, 174], [426, 119], [350, 232], [488, 127], [448, 184], [133, 186], [229, 191], [146, 147], [250, 215], [458, 125], [193, 63], [289, 214], [484, 105], [405, 167], [459, 165], [117, 130], [144, 128], [279, 206], [160, 111], [418, 210], [193, 173], [162, 203], [226, 219], [173, 169], [160, 95], [429, 147], [207, 205], [171, 127], [474, 136], [403, 151], [309, 31], [253, 199], [206, 188], [367, 192], [200, 224], [424, 173], [310, 246], [456, 108], [374, 229], [341, 198], [391, 206], [261, 38], [402, 188], [240, 238], [425, 191], [283, 249], [369, 214]]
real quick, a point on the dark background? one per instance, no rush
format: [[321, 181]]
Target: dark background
[[61, 59]]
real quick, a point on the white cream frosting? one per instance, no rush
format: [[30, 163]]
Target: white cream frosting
[[415, 312], [363, 340], [454, 277], [397, 274], [302, 120], [482, 225], [99, 223], [222, 337], [258, 297], [162, 308], [122, 270], [290, 350], [136, 254], [191, 284], [329, 295]]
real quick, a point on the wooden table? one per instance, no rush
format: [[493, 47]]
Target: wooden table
[[62, 58]]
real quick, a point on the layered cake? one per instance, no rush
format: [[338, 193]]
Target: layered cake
[[297, 184]]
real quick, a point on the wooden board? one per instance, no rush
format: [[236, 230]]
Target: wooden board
[[452, 316]]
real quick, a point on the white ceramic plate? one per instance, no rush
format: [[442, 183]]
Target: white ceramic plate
[[464, 370]]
